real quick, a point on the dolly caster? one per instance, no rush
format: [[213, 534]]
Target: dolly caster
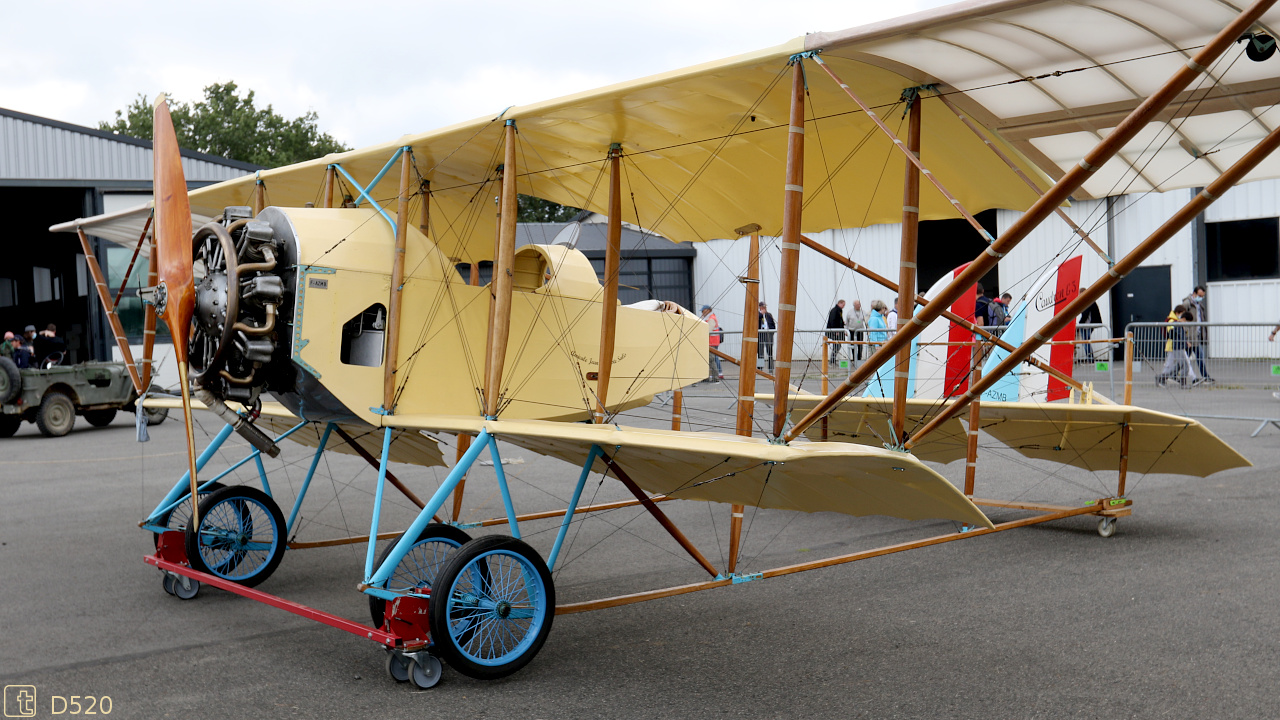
[[1106, 527]]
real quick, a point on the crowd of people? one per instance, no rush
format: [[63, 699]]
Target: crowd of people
[[32, 349]]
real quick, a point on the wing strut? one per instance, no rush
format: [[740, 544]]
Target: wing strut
[[658, 515]]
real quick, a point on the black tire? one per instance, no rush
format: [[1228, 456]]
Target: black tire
[[455, 615], [9, 425], [57, 414], [410, 574], [180, 515], [100, 418], [10, 380], [154, 416], [241, 536]]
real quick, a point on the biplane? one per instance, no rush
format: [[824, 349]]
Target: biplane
[[338, 303]]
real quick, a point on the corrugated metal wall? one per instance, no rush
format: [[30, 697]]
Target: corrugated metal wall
[[35, 151]]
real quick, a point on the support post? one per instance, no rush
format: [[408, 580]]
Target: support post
[[907, 264], [259, 196], [424, 223], [501, 285], [389, 364], [1128, 368], [1125, 131], [329, 174], [746, 378], [1124, 266], [677, 401], [1124, 458], [971, 449], [826, 382], [373, 461], [104, 296], [792, 206], [609, 307]]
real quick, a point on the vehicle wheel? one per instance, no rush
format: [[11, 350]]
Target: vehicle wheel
[[240, 538], [100, 418], [180, 515], [187, 590], [426, 671], [57, 414], [10, 380], [167, 584], [492, 607], [398, 667], [420, 566], [9, 425], [1106, 527]]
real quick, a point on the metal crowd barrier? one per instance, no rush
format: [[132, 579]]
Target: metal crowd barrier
[[1210, 370]]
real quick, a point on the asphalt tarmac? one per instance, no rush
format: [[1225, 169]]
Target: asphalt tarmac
[[1175, 616]]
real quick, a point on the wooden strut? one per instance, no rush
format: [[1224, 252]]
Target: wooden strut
[[658, 515], [1109, 279], [149, 319], [376, 464], [620, 600], [104, 296], [329, 174], [1125, 131], [735, 361], [501, 285], [136, 249], [395, 304], [464, 440], [1030, 183], [677, 403], [259, 197], [609, 307], [746, 380], [907, 267], [922, 300], [826, 369], [788, 283], [971, 449]]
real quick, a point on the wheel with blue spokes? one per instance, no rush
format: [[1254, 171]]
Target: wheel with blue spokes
[[180, 515], [492, 607], [420, 566], [240, 537]]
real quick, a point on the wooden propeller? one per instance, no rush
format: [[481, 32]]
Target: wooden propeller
[[172, 230]]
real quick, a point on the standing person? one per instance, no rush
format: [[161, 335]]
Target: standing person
[[6, 347], [768, 327], [714, 371], [48, 346], [982, 308], [877, 327], [835, 327], [1198, 305], [1174, 348], [21, 355], [891, 317], [855, 321], [1090, 316]]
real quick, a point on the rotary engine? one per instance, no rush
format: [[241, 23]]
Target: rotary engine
[[241, 290]]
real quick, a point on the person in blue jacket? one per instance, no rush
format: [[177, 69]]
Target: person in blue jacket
[[877, 325]]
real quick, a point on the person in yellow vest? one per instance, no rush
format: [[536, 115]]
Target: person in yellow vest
[[713, 339]]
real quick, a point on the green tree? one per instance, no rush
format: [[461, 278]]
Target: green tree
[[228, 124], [535, 209]]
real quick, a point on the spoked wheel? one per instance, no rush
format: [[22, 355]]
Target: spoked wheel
[[420, 566], [492, 607], [180, 515], [240, 538]]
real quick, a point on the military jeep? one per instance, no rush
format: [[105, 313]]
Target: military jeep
[[52, 398]]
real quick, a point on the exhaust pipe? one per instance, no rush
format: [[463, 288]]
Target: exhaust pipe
[[239, 423]]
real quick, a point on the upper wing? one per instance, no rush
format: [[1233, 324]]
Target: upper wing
[[809, 477]]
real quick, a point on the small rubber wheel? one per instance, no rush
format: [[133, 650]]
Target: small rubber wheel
[[10, 380], [240, 538], [155, 416], [187, 591], [420, 566], [1106, 527], [57, 414], [9, 425], [492, 607], [180, 515], [168, 583], [100, 418], [426, 671], [398, 667]]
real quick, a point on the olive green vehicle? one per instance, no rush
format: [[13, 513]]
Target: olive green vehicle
[[52, 398]]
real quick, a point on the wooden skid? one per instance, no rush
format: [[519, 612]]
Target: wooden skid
[[617, 601]]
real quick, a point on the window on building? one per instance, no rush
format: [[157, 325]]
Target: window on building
[[1243, 249], [8, 292], [130, 307], [641, 278], [43, 281]]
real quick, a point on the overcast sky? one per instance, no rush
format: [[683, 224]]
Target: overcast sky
[[376, 70]]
